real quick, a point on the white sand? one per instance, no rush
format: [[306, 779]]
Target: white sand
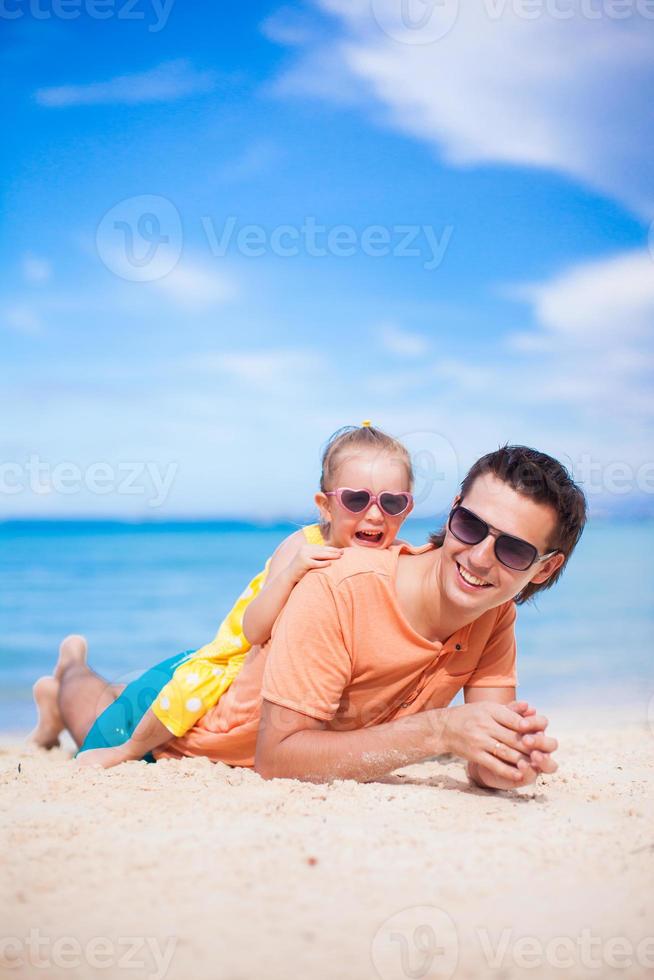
[[237, 878]]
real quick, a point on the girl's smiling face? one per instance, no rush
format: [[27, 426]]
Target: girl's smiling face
[[373, 528]]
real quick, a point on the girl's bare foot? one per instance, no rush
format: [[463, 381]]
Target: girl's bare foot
[[50, 724], [73, 650], [102, 757]]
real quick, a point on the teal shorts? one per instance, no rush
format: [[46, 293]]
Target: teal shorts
[[116, 724]]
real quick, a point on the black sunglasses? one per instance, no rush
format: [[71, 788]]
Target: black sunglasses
[[512, 552]]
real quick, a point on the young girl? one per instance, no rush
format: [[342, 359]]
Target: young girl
[[364, 497]]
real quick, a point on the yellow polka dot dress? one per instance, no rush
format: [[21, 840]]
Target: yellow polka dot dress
[[200, 681]]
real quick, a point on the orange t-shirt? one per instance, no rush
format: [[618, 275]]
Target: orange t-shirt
[[342, 651]]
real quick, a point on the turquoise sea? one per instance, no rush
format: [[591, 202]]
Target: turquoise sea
[[142, 592]]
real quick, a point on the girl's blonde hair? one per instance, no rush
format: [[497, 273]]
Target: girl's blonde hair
[[355, 438]]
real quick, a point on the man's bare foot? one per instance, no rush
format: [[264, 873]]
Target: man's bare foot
[[50, 724], [73, 650], [102, 757]]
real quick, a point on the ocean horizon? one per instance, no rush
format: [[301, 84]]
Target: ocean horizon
[[143, 590]]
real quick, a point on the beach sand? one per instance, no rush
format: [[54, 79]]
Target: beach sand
[[194, 870]]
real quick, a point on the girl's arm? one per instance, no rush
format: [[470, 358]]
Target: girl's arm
[[290, 562]]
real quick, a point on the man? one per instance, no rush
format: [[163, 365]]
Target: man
[[352, 635], [369, 652]]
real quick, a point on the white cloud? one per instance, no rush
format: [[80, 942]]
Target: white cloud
[[260, 157], [402, 343], [195, 287], [591, 348], [165, 83], [567, 94], [576, 381], [595, 302], [594, 346], [319, 74], [22, 318], [288, 25], [36, 269], [192, 288], [260, 366]]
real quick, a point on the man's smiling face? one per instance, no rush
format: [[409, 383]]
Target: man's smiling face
[[472, 576]]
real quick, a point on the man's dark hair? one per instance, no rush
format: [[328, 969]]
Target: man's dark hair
[[545, 481]]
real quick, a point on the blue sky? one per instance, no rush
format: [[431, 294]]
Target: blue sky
[[511, 156]]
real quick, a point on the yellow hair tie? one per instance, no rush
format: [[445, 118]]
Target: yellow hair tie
[[366, 424]]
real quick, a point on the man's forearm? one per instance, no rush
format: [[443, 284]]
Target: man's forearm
[[366, 754]]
